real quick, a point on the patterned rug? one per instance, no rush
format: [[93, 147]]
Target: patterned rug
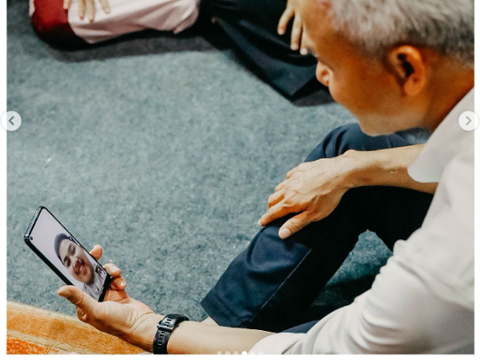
[[32, 330]]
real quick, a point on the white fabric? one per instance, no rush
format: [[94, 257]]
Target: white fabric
[[431, 162], [423, 299], [128, 16]]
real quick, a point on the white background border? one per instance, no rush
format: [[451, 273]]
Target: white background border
[[3, 168], [3, 172]]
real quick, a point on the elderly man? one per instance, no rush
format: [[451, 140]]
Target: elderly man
[[418, 73]]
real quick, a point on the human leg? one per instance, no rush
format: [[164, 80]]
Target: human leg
[[272, 283], [252, 25], [61, 27]]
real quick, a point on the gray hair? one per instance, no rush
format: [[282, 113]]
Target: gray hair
[[375, 26]]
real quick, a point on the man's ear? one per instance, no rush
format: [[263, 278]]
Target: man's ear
[[408, 66]]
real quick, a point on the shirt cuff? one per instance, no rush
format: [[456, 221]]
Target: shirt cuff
[[275, 344]]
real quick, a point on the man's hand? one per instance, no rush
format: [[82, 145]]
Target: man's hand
[[293, 11], [119, 314], [312, 189], [88, 7], [132, 321]]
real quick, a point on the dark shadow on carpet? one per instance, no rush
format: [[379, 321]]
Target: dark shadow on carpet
[[200, 38]]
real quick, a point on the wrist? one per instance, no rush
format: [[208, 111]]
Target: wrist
[[166, 328], [359, 167], [143, 333]]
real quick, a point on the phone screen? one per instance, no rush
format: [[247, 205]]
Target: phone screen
[[66, 256]]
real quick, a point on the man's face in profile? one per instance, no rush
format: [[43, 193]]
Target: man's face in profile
[[76, 261], [364, 86]]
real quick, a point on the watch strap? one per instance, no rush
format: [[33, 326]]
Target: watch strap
[[164, 329]]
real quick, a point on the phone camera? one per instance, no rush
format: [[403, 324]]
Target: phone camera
[[31, 238]]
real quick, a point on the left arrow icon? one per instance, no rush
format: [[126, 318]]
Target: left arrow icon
[[11, 120]]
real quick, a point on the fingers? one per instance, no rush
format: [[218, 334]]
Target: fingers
[[66, 4], [275, 212], [296, 33], [82, 315], [81, 8], [118, 282], [281, 186], [303, 46], [284, 20], [72, 294], [275, 198], [291, 172], [105, 6], [96, 252], [294, 225], [112, 269], [302, 167], [90, 4], [84, 303], [80, 299]]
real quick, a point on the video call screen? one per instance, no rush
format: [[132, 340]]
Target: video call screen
[[66, 254]]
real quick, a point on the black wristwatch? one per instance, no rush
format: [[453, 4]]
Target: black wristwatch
[[164, 330]]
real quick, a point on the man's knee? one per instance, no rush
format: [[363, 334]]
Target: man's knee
[[337, 142], [50, 22], [351, 137]]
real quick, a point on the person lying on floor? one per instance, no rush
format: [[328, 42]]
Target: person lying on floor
[[418, 74], [262, 35]]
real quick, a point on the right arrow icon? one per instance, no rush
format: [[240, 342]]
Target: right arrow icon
[[468, 121]]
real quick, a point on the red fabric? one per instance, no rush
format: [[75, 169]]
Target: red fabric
[[50, 21]]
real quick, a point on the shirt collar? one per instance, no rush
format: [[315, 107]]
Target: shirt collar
[[446, 142]]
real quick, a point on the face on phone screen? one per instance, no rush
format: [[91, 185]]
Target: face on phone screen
[[66, 254]]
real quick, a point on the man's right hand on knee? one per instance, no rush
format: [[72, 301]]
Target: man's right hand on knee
[[314, 189]]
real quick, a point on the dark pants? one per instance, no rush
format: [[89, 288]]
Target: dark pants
[[252, 26], [273, 282]]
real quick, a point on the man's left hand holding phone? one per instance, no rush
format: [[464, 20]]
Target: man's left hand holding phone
[[97, 292]]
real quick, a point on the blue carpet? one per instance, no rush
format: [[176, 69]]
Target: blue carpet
[[163, 150]]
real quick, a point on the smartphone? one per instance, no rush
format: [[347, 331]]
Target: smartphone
[[64, 254]]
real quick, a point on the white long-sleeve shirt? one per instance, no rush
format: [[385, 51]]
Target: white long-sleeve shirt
[[422, 301]]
